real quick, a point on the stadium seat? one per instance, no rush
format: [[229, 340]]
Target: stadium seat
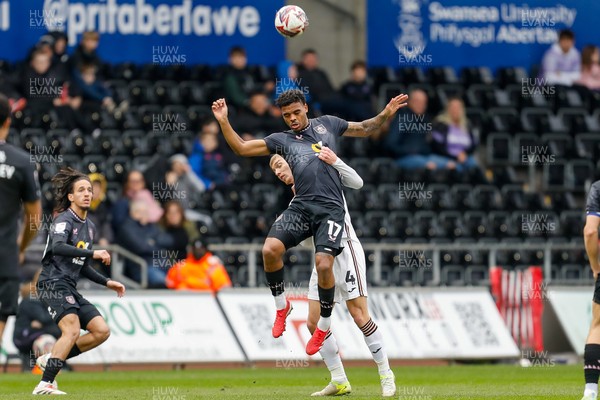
[[559, 145], [514, 197], [451, 223], [501, 224], [511, 75], [196, 114], [587, 145], [462, 196], [571, 273], [476, 224], [404, 277], [119, 89], [402, 223], [446, 91], [474, 75], [575, 119], [124, 71], [301, 274], [141, 93], [580, 172], [499, 149], [440, 197], [487, 197], [411, 75], [453, 275], [384, 170], [117, 168], [568, 97], [503, 119], [477, 275], [442, 75], [94, 163], [166, 92], [479, 95], [191, 93], [554, 176], [426, 224], [376, 222], [33, 138]]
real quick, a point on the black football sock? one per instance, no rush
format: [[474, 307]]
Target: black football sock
[[53, 367], [591, 366], [74, 352], [275, 281], [326, 297]]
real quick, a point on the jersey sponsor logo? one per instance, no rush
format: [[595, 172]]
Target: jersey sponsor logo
[[70, 299], [80, 245], [51, 312], [7, 171], [2, 156], [320, 129], [60, 227], [317, 147]]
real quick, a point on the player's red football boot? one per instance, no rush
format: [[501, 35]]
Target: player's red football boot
[[316, 341], [279, 324]]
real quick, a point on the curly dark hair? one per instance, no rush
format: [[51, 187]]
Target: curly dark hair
[[290, 96], [63, 183]]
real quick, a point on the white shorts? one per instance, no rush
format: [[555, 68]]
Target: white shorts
[[349, 269]]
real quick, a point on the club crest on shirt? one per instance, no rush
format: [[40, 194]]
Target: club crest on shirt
[[74, 231], [320, 129], [299, 137], [70, 299]]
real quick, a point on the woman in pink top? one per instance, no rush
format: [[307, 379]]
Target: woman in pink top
[[134, 189], [590, 68]]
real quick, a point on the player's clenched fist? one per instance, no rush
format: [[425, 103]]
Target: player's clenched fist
[[219, 109]]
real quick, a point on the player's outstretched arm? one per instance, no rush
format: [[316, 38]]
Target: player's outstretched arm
[[590, 237], [241, 147], [350, 178], [369, 126]]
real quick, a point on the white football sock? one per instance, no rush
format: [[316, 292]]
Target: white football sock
[[331, 357], [324, 323], [589, 388], [280, 301], [374, 340]]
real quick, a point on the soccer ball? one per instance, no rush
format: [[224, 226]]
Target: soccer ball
[[43, 344], [291, 21]]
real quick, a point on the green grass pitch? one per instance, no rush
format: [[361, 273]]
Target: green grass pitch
[[414, 383]]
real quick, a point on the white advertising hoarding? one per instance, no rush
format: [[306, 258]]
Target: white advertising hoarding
[[424, 323], [573, 307]]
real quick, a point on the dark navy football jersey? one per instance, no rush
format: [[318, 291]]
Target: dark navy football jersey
[[67, 228], [592, 206], [18, 184], [313, 178]]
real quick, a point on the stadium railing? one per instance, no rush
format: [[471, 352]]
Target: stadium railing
[[251, 249]]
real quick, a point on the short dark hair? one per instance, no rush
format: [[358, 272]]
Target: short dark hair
[[289, 97], [358, 64], [566, 34], [237, 50], [308, 51], [4, 109]]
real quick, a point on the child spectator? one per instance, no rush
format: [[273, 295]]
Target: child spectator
[[561, 64], [590, 68]]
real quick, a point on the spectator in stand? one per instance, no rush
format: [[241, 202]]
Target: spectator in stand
[[561, 64], [100, 210], [201, 270], [590, 68], [408, 139], [257, 120], [34, 326], [45, 90], [143, 238], [207, 160], [358, 93], [184, 183], [453, 138], [135, 189], [238, 82], [174, 223], [95, 94], [86, 51], [60, 48], [324, 96]]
